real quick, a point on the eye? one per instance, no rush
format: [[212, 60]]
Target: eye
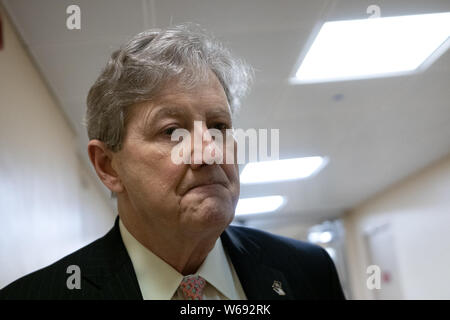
[[221, 126], [169, 131]]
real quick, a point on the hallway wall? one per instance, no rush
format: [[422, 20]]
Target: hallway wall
[[50, 202]]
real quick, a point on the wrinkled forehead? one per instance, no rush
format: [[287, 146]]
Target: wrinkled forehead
[[206, 98]]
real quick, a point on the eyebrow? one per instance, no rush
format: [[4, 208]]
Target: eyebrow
[[177, 112], [218, 113], [164, 112]]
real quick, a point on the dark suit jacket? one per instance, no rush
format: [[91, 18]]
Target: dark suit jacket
[[305, 271]]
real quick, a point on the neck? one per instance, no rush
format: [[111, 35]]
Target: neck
[[184, 251]]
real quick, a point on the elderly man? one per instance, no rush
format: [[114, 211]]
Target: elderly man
[[172, 239]]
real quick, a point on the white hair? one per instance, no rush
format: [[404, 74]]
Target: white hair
[[139, 70]]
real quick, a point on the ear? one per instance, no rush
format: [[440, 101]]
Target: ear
[[101, 158]]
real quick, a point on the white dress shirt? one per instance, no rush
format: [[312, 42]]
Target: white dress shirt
[[159, 281]]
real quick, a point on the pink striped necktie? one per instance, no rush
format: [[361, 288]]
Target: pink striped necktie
[[192, 287]]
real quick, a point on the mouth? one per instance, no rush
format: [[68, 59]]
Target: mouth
[[207, 187]]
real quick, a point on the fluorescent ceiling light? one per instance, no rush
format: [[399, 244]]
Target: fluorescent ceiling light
[[356, 49], [279, 170], [326, 237], [320, 237], [259, 205]]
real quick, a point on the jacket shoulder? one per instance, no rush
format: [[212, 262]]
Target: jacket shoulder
[[303, 263], [273, 242], [51, 282]]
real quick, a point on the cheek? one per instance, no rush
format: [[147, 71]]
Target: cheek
[[169, 175], [232, 172], [162, 174], [231, 168], [151, 172]]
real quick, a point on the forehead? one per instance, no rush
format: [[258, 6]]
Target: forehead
[[206, 99]]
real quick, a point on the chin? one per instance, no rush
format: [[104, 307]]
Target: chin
[[213, 213]]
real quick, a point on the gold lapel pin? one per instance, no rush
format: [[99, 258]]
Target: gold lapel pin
[[276, 286]]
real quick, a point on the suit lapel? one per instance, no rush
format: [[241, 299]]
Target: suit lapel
[[256, 277]]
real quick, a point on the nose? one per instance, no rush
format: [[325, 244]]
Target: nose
[[204, 149]]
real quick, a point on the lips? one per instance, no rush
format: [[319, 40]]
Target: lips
[[210, 183]]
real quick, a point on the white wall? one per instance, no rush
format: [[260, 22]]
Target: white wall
[[418, 212], [50, 203]]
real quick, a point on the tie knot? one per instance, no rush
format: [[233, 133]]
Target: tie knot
[[192, 287]]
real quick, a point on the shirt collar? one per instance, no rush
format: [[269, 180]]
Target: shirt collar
[[216, 270], [146, 265]]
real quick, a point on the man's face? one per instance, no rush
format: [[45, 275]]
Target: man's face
[[193, 198]]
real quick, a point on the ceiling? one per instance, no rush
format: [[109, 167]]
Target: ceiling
[[375, 132]]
